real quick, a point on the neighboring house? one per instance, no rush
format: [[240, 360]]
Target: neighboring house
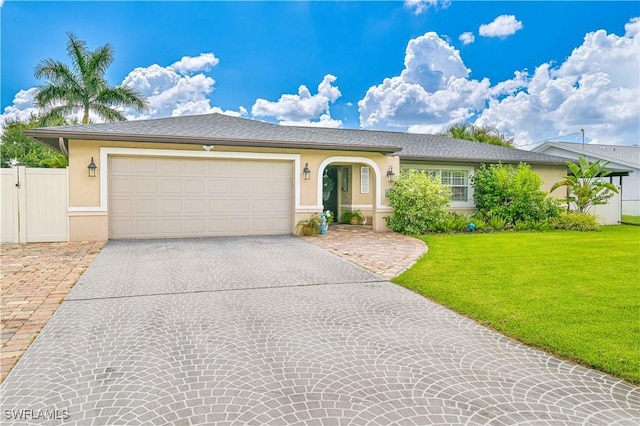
[[215, 175], [624, 164]]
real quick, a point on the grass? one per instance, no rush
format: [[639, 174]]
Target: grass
[[631, 219], [574, 294]]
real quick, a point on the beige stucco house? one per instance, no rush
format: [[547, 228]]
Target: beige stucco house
[[216, 175]]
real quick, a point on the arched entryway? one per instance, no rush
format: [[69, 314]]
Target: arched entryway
[[350, 184]]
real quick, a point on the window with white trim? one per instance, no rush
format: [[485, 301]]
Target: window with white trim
[[458, 180]]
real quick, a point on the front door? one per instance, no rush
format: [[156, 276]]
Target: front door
[[330, 188]]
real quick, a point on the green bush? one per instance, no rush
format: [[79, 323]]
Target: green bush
[[538, 225], [419, 202], [452, 222], [479, 221], [497, 223], [520, 225], [575, 221], [512, 193]]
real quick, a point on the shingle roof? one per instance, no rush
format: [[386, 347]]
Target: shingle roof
[[629, 155], [219, 128]]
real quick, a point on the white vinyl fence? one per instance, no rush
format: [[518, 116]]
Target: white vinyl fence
[[34, 205], [610, 213]]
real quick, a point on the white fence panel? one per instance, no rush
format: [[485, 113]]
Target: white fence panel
[[34, 205], [9, 208], [46, 205], [610, 213]]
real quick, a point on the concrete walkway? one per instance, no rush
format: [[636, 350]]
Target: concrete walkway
[[277, 331], [387, 254]]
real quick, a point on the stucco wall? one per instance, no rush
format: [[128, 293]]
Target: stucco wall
[[85, 192]]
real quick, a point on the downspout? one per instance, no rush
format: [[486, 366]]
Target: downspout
[[62, 147]]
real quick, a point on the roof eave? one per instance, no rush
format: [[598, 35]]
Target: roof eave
[[481, 160], [51, 139]]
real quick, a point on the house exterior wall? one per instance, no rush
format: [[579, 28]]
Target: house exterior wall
[[550, 174], [89, 215]]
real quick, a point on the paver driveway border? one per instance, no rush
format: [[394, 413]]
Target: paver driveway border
[[36, 278], [311, 340]]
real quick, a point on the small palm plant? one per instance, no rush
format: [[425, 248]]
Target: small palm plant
[[586, 188]]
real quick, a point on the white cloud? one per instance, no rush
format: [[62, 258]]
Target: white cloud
[[189, 64], [597, 88], [22, 108], [467, 38], [502, 26], [302, 108], [420, 6], [171, 91], [432, 92], [324, 120]]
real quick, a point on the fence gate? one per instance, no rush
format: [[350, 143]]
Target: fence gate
[[34, 205]]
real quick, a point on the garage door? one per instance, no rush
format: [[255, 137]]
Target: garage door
[[168, 197]]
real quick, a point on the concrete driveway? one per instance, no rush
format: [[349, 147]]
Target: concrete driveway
[[275, 330]]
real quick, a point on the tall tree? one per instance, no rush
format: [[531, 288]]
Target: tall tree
[[484, 134], [83, 86], [15, 147], [586, 188]]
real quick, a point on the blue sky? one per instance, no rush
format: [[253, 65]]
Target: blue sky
[[534, 70]]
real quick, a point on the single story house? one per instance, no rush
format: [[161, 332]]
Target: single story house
[[217, 175], [624, 164]]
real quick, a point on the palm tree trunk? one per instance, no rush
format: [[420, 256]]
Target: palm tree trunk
[[85, 117]]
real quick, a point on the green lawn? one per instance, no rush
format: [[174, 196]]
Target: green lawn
[[575, 294], [631, 219]]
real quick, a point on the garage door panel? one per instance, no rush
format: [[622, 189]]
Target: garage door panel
[[196, 206], [122, 207], [167, 197], [171, 186], [218, 187], [145, 166], [146, 186], [194, 186], [195, 226], [146, 227], [146, 206], [240, 206], [122, 185], [170, 206]]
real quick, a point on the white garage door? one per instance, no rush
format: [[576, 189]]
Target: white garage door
[[172, 197]]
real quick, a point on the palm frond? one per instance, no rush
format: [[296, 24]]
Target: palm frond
[[107, 113]]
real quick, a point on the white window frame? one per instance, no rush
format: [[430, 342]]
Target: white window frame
[[439, 168]]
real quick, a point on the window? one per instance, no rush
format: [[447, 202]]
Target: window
[[458, 180]]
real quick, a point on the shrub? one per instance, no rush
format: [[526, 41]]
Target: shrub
[[575, 221], [497, 223], [512, 193], [452, 222], [479, 221], [520, 225], [419, 202], [538, 225]]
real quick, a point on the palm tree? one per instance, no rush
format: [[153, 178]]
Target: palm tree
[[484, 134], [83, 86]]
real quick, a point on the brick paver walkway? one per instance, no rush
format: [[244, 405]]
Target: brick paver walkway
[[387, 254], [36, 277]]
